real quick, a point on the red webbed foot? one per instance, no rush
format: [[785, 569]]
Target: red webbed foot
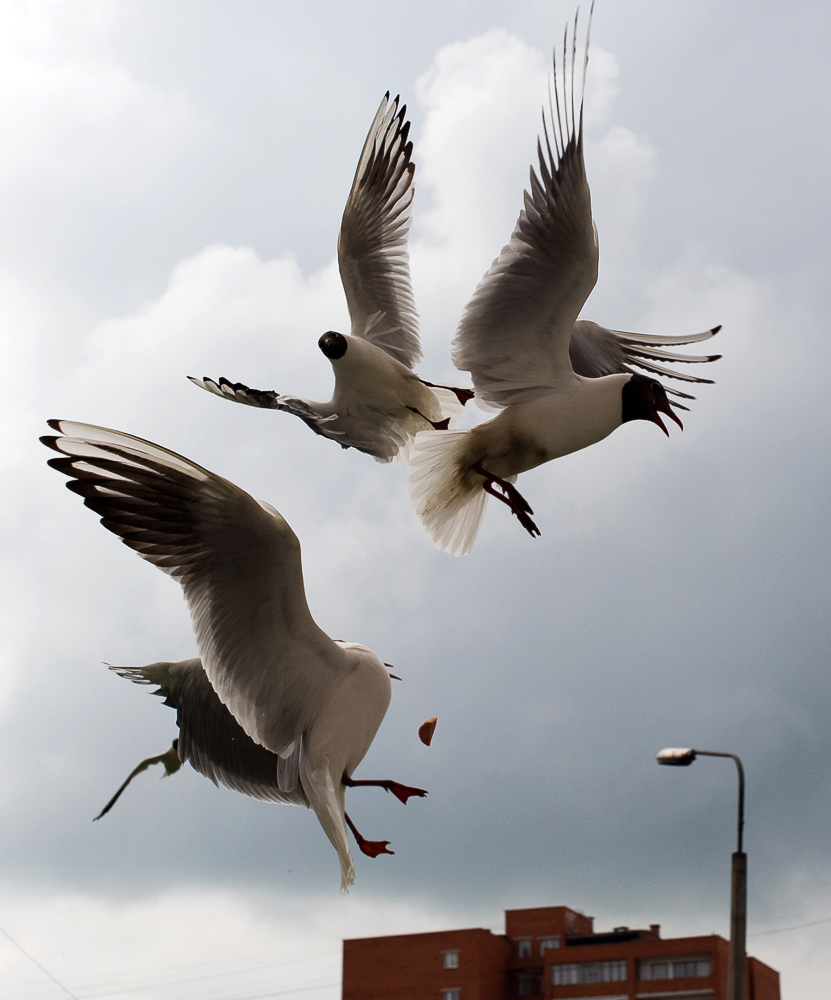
[[401, 792], [510, 495], [372, 848]]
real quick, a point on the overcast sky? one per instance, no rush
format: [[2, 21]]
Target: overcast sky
[[171, 186]]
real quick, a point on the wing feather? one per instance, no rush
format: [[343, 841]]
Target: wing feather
[[238, 562], [212, 741], [596, 351], [514, 333], [372, 245]]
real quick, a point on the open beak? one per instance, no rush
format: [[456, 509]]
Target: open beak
[[664, 406], [390, 667]]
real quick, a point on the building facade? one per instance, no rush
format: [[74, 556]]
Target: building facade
[[550, 952]]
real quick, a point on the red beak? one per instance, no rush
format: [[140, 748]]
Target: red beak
[[663, 406]]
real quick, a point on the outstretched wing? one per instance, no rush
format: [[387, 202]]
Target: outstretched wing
[[171, 761], [212, 741], [320, 417], [514, 333], [348, 419], [238, 563], [596, 351], [372, 245]]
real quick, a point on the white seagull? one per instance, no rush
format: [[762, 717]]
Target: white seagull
[[561, 384], [214, 744], [314, 703], [379, 403]]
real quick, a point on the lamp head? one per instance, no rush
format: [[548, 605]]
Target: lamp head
[[676, 756]]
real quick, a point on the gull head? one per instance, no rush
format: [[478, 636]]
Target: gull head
[[333, 345], [644, 398]]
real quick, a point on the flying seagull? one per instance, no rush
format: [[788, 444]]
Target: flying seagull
[[314, 703], [379, 403], [214, 744], [561, 384]]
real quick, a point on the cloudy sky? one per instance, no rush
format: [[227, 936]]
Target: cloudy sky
[[171, 185]]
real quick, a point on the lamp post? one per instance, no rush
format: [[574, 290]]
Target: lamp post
[[737, 965]]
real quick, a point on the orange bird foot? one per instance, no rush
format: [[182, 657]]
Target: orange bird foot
[[372, 848], [401, 792]]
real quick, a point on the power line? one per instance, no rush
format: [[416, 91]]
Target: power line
[[237, 967], [796, 927], [34, 961], [286, 993]]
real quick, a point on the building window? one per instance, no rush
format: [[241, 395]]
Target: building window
[[525, 986], [451, 959], [690, 969], [686, 968], [614, 972], [565, 975], [581, 973], [549, 944], [523, 947], [451, 994]]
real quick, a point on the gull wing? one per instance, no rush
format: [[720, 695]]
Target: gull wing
[[596, 351], [238, 563], [213, 742], [348, 419], [514, 333], [372, 245], [171, 761], [320, 417]]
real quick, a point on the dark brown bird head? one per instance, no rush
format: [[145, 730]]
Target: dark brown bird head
[[644, 398], [333, 345]]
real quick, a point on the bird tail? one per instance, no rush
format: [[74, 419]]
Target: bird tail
[[448, 503], [452, 407]]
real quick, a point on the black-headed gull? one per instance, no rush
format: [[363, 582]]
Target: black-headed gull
[[379, 403], [562, 385], [314, 703], [214, 744]]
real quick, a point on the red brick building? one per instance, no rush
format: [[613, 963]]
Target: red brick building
[[551, 952]]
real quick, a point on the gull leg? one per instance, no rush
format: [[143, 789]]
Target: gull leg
[[401, 792], [510, 496], [437, 425], [463, 395], [372, 848]]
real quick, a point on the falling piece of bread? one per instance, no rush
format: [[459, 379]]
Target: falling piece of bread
[[426, 730]]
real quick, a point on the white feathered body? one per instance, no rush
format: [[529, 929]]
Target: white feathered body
[[449, 496], [346, 726], [368, 378]]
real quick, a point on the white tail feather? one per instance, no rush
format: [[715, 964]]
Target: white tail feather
[[449, 505], [449, 402]]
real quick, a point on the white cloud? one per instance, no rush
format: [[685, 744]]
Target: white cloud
[[77, 116], [200, 943], [676, 588]]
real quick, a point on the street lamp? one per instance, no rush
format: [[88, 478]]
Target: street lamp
[[683, 757]]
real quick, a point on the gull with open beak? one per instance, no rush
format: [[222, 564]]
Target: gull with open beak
[[313, 704], [560, 384]]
